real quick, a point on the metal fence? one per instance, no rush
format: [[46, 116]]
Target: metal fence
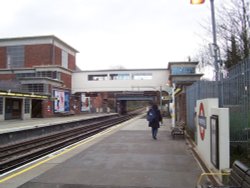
[[233, 92]]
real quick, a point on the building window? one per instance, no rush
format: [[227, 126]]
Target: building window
[[42, 74], [35, 88], [64, 59], [142, 76], [15, 56], [120, 76], [97, 77], [1, 105], [25, 75], [56, 75], [182, 70], [49, 74], [27, 106]]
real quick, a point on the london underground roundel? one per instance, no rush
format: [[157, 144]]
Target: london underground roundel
[[202, 121]]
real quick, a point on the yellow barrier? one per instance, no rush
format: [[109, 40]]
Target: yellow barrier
[[203, 175]]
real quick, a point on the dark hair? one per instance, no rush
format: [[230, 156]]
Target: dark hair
[[154, 106]]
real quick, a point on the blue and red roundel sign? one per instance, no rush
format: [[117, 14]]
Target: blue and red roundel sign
[[202, 121]]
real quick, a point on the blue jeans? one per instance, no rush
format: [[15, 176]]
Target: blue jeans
[[154, 132]]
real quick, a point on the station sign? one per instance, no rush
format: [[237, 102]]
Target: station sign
[[202, 121]]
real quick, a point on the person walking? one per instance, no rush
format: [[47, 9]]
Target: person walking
[[154, 118]]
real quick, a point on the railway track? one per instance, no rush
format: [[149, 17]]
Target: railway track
[[18, 154]]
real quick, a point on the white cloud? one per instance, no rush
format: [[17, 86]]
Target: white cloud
[[131, 33]]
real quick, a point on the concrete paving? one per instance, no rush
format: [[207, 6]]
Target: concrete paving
[[125, 157]]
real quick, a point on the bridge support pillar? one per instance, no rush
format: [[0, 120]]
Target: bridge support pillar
[[121, 107]]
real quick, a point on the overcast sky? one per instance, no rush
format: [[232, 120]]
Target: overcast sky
[[111, 33]]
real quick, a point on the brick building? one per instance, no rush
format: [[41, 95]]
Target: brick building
[[35, 77]]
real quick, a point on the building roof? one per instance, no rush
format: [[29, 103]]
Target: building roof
[[11, 41], [182, 63], [124, 70]]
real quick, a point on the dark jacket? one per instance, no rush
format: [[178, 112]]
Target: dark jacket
[[155, 123]]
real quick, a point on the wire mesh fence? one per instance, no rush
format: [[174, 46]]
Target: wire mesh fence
[[233, 93]]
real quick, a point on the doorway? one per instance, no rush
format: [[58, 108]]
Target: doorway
[[13, 108], [36, 108]]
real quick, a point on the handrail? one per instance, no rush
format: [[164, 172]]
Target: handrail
[[212, 174]]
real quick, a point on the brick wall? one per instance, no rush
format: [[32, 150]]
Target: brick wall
[[75, 104], [181, 109], [7, 76], [72, 62], [47, 109], [97, 101], [58, 56], [38, 55], [3, 57], [66, 79]]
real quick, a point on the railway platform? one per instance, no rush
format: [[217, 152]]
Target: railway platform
[[17, 124], [124, 156]]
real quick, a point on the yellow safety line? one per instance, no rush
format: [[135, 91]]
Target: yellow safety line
[[57, 155], [211, 174]]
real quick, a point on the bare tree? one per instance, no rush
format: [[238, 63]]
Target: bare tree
[[233, 34], [233, 31], [205, 60]]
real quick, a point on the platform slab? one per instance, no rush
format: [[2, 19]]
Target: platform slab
[[128, 158]]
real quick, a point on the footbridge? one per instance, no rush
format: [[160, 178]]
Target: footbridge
[[123, 84], [120, 80]]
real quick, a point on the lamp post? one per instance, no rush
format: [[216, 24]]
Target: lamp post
[[214, 41], [161, 98], [173, 106], [215, 46]]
